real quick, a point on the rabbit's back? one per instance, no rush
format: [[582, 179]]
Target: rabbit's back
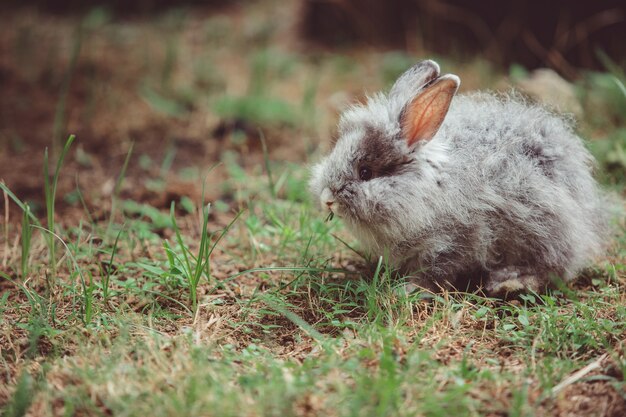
[[521, 174]]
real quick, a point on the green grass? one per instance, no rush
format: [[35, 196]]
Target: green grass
[[298, 334], [50, 188], [25, 240]]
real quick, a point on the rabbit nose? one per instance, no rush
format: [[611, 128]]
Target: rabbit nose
[[327, 199]]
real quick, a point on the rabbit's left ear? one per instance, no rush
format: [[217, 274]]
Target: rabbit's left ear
[[421, 117]]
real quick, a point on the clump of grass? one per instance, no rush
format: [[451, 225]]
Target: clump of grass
[[194, 267], [50, 187]]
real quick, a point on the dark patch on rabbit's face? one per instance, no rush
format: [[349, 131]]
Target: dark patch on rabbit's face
[[381, 154]]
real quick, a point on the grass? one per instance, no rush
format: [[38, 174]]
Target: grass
[[26, 232], [301, 334], [193, 268], [50, 189], [255, 305]]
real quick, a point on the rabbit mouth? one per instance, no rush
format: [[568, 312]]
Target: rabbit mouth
[[335, 211]]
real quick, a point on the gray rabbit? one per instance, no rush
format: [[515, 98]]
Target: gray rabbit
[[474, 187]]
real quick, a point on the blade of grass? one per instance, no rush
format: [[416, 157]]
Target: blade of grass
[[610, 65], [6, 229], [266, 160], [373, 310], [118, 185], [179, 238], [365, 258], [19, 203], [203, 255], [168, 160], [26, 235], [295, 319], [225, 230], [106, 281], [49, 211], [84, 204], [50, 190]]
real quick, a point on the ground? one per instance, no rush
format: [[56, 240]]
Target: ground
[[189, 273]]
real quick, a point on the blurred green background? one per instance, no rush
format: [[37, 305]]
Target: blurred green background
[[191, 83]]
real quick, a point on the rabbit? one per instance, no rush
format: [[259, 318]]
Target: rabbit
[[470, 188]]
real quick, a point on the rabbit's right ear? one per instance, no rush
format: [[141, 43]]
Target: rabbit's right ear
[[409, 83], [421, 117]]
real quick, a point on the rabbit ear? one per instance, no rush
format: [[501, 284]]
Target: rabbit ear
[[421, 118], [415, 78]]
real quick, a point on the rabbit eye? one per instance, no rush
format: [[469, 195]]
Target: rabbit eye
[[365, 173]]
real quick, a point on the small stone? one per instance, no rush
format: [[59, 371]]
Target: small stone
[[548, 87]]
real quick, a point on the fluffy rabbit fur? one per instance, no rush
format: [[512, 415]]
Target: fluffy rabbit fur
[[472, 187]]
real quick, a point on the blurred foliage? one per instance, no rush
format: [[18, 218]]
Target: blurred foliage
[[121, 7], [268, 65], [517, 72], [603, 97], [256, 109], [258, 106], [395, 63]]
